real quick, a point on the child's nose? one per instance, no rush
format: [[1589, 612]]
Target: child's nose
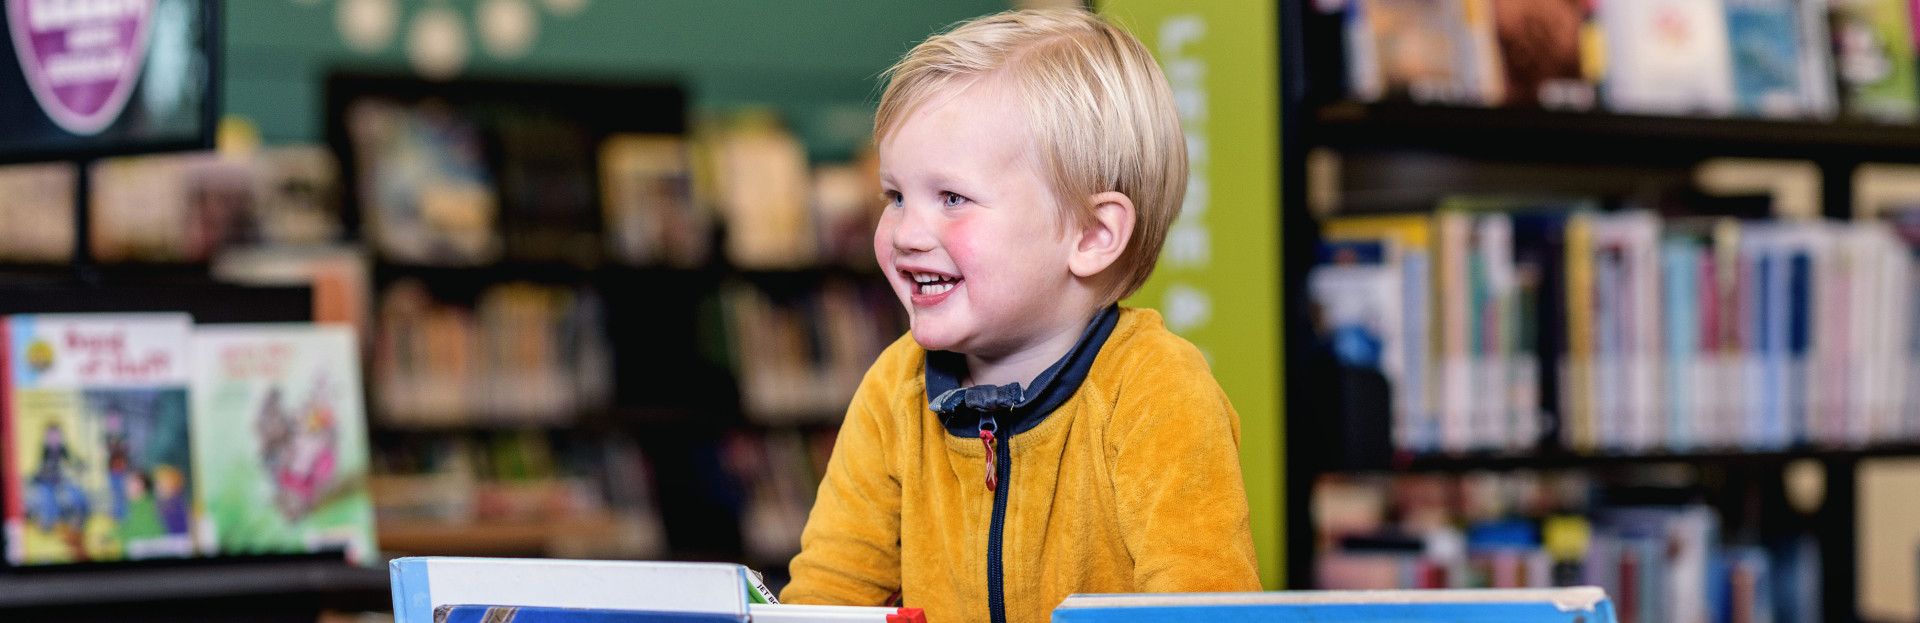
[[915, 231]]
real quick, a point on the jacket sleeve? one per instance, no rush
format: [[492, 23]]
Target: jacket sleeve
[[850, 551], [1183, 507]]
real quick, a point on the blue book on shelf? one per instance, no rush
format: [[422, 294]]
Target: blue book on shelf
[[1772, 282], [1560, 605], [1764, 37], [1680, 261], [1800, 343]]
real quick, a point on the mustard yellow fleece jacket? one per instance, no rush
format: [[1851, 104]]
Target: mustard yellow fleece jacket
[[1130, 485]]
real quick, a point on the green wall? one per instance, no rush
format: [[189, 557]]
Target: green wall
[[1218, 281], [816, 60]]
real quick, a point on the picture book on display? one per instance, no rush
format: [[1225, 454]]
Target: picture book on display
[[1667, 57], [280, 432], [1425, 51], [1781, 61], [1542, 50], [97, 461]]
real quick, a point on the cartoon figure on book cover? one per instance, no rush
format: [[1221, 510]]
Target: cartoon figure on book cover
[[97, 410], [297, 449], [55, 502]]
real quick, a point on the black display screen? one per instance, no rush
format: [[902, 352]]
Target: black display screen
[[86, 78]]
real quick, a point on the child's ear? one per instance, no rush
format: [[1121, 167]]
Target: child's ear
[[1104, 238]]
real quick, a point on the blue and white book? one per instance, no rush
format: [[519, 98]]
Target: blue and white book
[[1560, 605], [757, 613], [603, 591]]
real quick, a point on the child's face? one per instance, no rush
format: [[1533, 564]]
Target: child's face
[[968, 209]]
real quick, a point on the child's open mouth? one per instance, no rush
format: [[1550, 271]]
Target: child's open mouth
[[931, 288]]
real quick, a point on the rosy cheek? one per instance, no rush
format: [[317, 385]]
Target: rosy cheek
[[883, 239], [957, 238]]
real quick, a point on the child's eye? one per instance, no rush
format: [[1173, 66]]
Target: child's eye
[[891, 197], [951, 200]]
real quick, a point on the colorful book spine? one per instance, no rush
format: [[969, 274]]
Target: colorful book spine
[[1680, 261], [1578, 404]]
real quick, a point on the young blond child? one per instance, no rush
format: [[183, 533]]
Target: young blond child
[[1030, 438]]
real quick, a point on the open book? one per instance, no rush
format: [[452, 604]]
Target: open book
[[1559, 605], [502, 590]]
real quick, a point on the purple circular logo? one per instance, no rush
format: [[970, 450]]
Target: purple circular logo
[[81, 57]]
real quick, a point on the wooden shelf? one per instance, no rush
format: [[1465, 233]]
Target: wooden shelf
[[1568, 460], [487, 538], [1592, 136]]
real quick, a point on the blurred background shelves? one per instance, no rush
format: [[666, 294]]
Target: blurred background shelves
[[1625, 285], [1507, 133]]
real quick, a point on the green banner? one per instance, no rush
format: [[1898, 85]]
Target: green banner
[[1218, 282]]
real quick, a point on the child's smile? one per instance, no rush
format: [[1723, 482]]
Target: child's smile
[[929, 287]]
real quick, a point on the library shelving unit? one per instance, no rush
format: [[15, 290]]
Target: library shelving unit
[[676, 380], [1582, 150], [262, 588]]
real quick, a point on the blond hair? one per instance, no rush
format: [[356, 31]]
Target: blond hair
[[1101, 113]]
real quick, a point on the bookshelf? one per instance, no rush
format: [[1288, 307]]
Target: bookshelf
[[722, 272], [1504, 150]]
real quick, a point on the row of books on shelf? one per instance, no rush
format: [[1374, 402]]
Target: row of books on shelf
[[427, 196], [174, 208], [518, 493], [800, 357], [1501, 324], [1808, 59], [143, 436], [521, 353], [443, 185], [536, 354], [1665, 563]]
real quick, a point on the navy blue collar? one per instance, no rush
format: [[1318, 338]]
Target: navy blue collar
[[1014, 409]]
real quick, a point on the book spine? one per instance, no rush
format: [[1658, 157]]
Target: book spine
[[1455, 333], [1680, 263], [15, 511], [1578, 428]]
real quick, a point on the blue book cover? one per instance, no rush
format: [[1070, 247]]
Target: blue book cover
[[1563, 605], [532, 614], [1680, 268], [1764, 37]]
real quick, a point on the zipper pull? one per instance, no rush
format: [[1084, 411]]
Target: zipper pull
[[987, 429]]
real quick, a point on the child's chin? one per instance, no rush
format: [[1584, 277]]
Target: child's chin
[[934, 338]]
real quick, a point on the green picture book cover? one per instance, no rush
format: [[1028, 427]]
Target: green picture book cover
[[280, 437], [1873, 52]]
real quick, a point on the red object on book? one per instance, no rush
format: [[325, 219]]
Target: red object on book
[[908, 615]]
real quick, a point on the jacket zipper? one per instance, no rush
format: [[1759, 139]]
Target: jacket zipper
[[1000, 467]]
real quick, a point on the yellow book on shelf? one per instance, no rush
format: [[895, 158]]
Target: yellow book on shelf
[[1577, 425]]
